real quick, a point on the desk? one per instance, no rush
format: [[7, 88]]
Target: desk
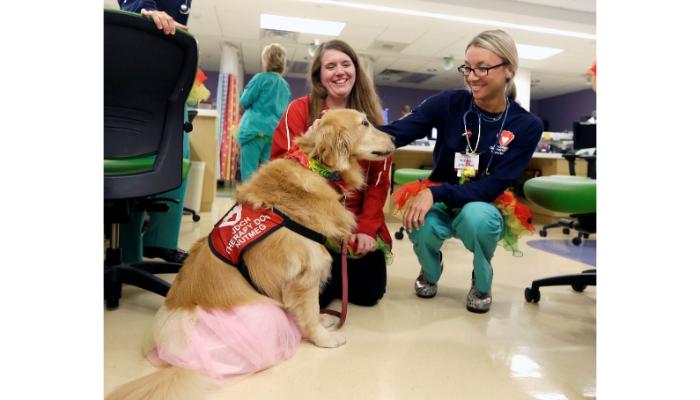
[[203, 148], [415, 156]]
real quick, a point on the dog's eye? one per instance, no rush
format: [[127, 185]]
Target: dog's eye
[[365, 123]]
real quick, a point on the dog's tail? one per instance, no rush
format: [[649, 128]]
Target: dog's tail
[[171, 383]]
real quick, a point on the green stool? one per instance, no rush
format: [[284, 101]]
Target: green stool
[[569, 194], [402, 176], [405, 175]]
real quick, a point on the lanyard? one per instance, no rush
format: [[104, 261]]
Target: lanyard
[[478, 135]]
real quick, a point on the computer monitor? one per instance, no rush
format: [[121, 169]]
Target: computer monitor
[[584, 135]]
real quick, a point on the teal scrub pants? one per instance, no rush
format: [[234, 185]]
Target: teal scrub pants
[[254, 152], [478, 225], [163, 227]]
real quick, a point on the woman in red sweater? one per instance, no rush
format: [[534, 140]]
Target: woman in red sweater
[[338, 80]]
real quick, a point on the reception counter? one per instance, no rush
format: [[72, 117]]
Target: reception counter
[[203, 147]]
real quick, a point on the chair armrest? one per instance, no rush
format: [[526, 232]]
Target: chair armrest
[[590, 159]]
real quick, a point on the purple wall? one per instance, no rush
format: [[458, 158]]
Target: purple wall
[[562, 111], [394, 98]]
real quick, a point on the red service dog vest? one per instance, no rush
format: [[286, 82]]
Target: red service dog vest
[[244, 226]]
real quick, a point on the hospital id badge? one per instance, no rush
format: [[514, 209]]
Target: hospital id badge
[[466, 160]]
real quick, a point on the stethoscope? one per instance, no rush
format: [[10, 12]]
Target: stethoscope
[[185, 7], [474, 110]]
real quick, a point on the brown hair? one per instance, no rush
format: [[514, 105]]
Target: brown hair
[[500, 43], [363, 97], [273, 58]]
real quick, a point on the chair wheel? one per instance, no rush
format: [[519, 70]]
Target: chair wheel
[[585, 235], [532, 295], [543, 233], [195, 217], [579, 287], [576, 241], [398, 235], [565, 231]]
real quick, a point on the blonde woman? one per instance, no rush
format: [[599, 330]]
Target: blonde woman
[[264, 99], [338, 80], [485, 141]]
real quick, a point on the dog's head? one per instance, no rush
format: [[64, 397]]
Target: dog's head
[[343, 136]]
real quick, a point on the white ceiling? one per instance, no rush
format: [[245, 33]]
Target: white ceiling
[[419, 43]]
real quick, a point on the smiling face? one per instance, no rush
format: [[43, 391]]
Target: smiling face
[[337, 74], [491, 86]]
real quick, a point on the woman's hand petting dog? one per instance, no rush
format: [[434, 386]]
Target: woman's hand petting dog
[[316, 123], [414, 217], [362, 243]]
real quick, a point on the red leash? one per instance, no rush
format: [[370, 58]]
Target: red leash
[[344, 274]]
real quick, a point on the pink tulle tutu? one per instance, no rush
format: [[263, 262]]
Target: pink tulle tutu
[[241, 341]]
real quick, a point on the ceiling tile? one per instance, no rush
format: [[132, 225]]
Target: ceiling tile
[[401, 34]]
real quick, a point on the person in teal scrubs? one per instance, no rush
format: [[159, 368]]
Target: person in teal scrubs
[[264, 99]]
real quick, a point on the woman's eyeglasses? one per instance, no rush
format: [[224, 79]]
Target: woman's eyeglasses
[[478, 71]]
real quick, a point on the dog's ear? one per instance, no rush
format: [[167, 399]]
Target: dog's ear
[[333, 146]]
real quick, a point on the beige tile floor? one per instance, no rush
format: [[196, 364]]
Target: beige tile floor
[[411, 348]]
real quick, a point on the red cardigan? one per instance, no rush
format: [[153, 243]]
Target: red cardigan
[[368, 204]]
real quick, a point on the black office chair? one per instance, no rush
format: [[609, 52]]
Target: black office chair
[[191, 114], [571, 194], [147, 77]]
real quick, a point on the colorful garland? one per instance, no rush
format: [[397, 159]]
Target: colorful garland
[[380, 244], [467, 174], [313, 165], [199, 92], [320, 169], [516, 216]]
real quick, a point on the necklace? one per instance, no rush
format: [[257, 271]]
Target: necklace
[[494, 119], [488, 118]]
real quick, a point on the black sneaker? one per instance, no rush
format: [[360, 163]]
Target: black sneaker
[[169, 255]]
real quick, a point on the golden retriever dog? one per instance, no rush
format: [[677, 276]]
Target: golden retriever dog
[[287, 267]]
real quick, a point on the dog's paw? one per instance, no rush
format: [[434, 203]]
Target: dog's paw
[[335, 339], [328, 320]]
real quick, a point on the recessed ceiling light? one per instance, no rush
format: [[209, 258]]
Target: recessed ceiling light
[[447, 17], [303, 25], [529, 52]]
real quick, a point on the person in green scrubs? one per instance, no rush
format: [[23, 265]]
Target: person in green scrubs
[[264, 99]]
